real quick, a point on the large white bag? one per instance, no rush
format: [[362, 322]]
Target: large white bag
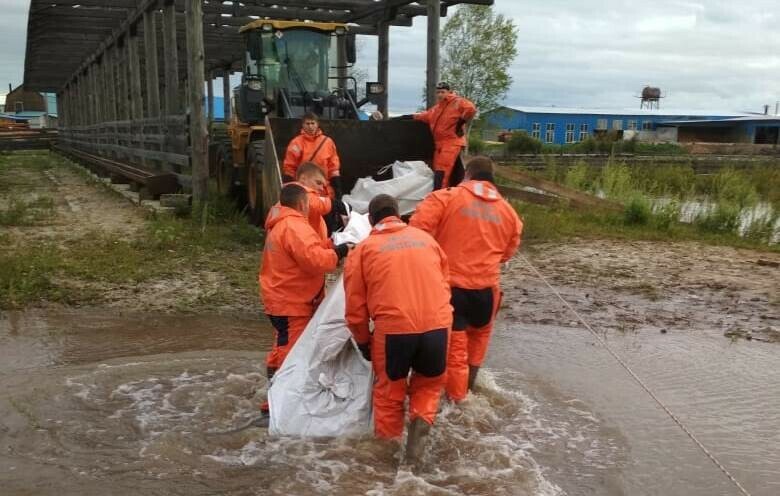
[[323, 389], [412, 181]]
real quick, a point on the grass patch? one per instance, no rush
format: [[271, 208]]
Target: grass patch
[[216, 238], [543, 224], [21, 212]]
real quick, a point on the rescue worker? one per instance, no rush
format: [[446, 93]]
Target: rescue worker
[[311, 145], [447, 120], [397, 278], [478, 230], [292, 276], [310, 176]]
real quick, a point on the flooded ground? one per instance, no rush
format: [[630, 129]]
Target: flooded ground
[[98, 400]]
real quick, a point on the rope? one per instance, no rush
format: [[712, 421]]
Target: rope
[[639, 381]]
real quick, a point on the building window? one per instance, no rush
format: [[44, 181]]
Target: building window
[[19, 107], [632, 125], [549, 135], [617, 125], [647, 125], [536, 130], [569, 133], [584, 132], [601, 125]]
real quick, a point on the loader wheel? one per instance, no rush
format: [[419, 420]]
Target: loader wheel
[[254, 178]]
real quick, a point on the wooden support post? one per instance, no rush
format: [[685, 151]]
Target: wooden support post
[[136, 87], [226, 94], [171, 59], [195, 71], [152, 65], [383, 64], [210, 88], [432, 71], [136, 92]]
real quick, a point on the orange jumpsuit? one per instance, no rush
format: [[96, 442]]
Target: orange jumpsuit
[[319, 149], [292, 277], [397, 277], [443, 118], [478, 230]]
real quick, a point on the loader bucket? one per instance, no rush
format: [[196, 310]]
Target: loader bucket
[[364, 147]]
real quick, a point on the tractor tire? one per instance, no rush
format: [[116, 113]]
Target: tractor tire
[[254, 181]]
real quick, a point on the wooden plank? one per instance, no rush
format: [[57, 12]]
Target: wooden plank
[[152, 66], [198, 130], [529, 196], [226, 94], [576, 198], [170, 60]]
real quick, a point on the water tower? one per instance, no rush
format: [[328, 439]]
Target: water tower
[[651, 98]]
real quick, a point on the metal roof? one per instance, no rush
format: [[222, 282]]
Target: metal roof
[[671, 112], [64, 34], [773, 120]]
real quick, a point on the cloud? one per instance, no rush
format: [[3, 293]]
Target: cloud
[[716, 54]]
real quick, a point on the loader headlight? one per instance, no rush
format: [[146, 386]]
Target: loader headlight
[[375, 88], [255, 84]]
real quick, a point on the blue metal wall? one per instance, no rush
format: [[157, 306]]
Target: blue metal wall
[[516, 120]]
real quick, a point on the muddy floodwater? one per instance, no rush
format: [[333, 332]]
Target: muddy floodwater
[[97, 401]]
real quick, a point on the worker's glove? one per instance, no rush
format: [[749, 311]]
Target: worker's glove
[[287, 179], [365, 350], [335, 183], [405, 117], [459, 127], [342, 250]]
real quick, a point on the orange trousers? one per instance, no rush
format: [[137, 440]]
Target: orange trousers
[[393, 356], [470, 338], [444, 158], [287, 330]]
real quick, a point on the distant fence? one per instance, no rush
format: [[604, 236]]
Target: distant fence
[[12, 139], [158, 143]]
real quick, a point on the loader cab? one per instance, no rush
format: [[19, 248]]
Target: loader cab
[[291, 68]]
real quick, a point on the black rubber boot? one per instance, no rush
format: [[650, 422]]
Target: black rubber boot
[[438, 180], [415, 441], [270, 371], [473, 371]]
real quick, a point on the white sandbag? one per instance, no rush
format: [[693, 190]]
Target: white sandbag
[[323, 389], [355, 230], [409, 188]]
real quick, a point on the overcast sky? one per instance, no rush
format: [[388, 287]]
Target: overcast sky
[[707, 54]]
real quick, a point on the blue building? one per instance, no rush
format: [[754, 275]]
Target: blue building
[[557, 125]]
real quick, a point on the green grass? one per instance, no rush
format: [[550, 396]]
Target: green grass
[[216, 238], [544, 224], [21, 212]]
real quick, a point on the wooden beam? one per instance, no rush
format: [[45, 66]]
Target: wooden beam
[[226, 94], [198, 130], [383, 64], [152, 66], [576, 198], [433, 44], [136, 86], [210, 97], [171, 60]]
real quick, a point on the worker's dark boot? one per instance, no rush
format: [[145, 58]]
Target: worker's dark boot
[[438, 180], [473, 371], [270, 371], [415, 441]]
